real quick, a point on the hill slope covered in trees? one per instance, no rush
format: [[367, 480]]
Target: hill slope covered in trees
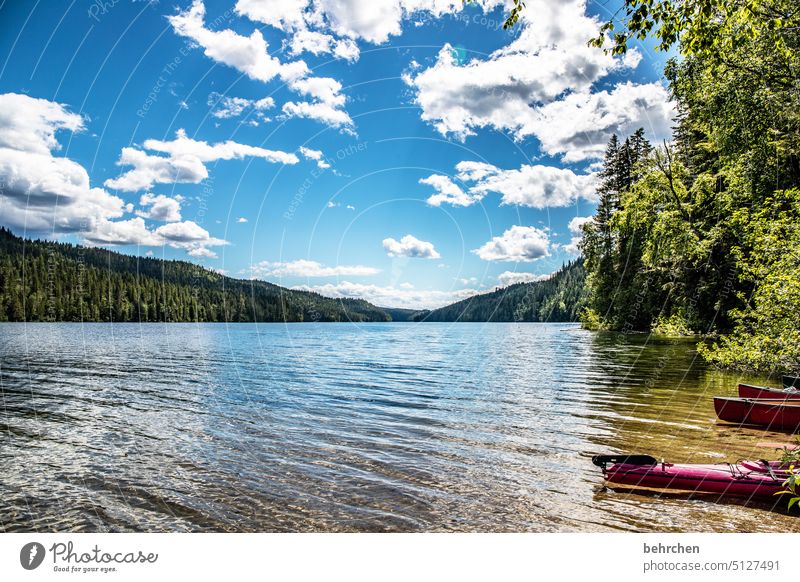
[[49, 281], [559, 298]]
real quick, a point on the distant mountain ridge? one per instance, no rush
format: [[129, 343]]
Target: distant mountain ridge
[[52, 281]]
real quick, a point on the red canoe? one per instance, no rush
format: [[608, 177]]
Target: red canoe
[[776, 414], [748, 391], [744, 479]]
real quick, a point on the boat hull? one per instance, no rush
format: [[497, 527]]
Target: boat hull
[[746, 479], [749, 391], [772, 414]]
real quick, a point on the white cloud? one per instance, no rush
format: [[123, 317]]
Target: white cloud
[[513, 277], [306, 268], [447, 192], [518, 243], [319, 111], [315, 155], [327, 103], [373, 21], [390, 296], [52, 194], [185, 162], [42, 192], [186, 235], [517, 87], [225, 106], [161, 208], [580, 125], [318, 43], [250, 55], [123, 232], [576, 229], [536, 186], [189, 236], [286, 15], [241, 220], [409, 246], [350, 207], [29, 125], [247, 54]]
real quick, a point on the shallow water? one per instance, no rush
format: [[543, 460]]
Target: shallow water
[[340, 427]]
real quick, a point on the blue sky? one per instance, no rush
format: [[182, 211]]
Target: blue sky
[[407, 151]]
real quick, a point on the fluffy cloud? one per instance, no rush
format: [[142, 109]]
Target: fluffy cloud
[[536, 186], [42, 192], [319, 111], [250, 55], [391, 296], [186, 235], [579, 125], [507, 278], [447, 192], [161, 207], [185, 161], [315, 155], [373, 21], [247, 54], [241, 220], [53, 194], [519, 243], [306, 268], [517, 88], [286, 15], [318, 43], [123, 232], [576, 229], [409, 246], [327, 101], [225, 106]]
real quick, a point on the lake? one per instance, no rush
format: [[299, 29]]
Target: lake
[[343, 427]]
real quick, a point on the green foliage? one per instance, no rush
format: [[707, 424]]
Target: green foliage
[[47, 281], [675, 326], [791, 459], [704, 237], [590, 319], [766, 336], [559, 298]]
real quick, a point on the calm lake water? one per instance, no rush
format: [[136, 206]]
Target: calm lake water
[[339, 427]]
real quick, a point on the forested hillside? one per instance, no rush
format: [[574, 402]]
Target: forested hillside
[[559, 298], [48, 281], [702, 235]]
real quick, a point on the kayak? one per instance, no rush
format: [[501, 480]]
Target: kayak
[[776, 414], [743, 479], [749, 391], [791, 382]]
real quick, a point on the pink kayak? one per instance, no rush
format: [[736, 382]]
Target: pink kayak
[[760, 479]]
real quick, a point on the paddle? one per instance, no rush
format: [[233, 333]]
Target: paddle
[[603, 460]]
